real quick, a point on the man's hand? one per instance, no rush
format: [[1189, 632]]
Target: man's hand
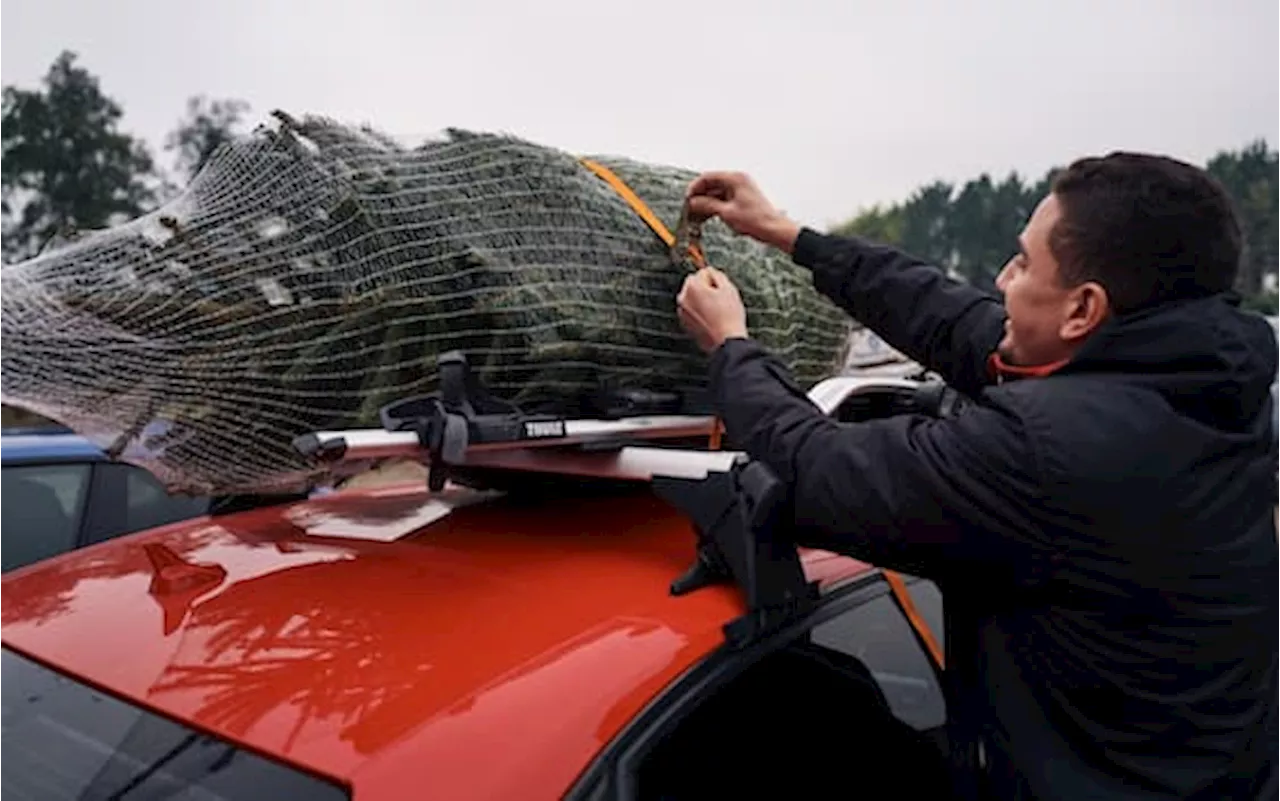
[[711, 309], [735, 199]]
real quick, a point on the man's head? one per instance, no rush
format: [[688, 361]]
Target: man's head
[[1115, 234]]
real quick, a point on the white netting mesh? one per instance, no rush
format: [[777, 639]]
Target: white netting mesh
[[312, 273]]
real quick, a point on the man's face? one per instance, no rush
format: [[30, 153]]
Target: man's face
[[1047, 320]]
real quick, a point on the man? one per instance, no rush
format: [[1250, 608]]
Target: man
[[1100, 518]]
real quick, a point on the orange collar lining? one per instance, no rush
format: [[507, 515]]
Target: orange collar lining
[[1001, 370]]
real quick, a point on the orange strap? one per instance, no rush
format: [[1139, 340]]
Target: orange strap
[[903, 596], [641, 208]]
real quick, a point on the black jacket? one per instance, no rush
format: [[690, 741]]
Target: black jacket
[[1105, 536]]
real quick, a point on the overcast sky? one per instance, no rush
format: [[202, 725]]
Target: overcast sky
[[832, 105]]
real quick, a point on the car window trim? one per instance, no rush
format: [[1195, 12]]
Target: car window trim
[[90, 496], [48, 459], [82, 519], [104, 485], [611, 772]]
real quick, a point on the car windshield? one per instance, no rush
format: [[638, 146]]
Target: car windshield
[[63, 740]]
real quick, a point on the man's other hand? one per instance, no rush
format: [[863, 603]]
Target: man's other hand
[[735, 199], [711, 309]]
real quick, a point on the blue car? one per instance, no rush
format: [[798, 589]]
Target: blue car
[[62, 493]]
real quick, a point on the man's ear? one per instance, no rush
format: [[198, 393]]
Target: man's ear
[[1088, 308]]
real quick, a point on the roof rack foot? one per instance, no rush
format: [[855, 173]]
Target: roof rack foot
[[743, 532], [707, 570]]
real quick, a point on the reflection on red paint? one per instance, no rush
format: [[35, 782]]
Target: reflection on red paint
[[488, 654]]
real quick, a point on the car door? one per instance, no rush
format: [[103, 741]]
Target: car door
[[844, 698], [879, 635]]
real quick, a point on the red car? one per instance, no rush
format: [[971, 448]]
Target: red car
[[405, 643]]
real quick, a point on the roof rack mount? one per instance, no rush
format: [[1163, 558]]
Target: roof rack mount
[[737, 506], [742, 524]]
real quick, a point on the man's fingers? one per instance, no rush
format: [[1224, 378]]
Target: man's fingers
[[687, 292], [690, 321], [705, 207], [698, 285], [720, 185], [715, 184], [713, 278]]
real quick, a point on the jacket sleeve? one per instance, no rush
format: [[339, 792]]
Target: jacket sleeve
[[938, 498], [945, 325]]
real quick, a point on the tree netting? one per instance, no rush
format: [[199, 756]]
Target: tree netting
[[312, 272]]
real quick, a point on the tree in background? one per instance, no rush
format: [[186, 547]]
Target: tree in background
[[1252, 176], [206, 126], [971, 232], [920, 225], [66, 166]]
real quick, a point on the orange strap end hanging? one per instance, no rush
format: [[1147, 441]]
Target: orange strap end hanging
[[918, 624]]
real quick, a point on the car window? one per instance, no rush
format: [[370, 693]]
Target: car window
[[850, 700], [148, 504], [129, 499], [63, 740], [878, 635], [41, 511]]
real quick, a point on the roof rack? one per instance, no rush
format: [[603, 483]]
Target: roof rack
[[737, 506]]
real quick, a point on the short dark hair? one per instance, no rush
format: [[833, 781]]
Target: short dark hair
[[1149, 229]]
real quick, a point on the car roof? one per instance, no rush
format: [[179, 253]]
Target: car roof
[[488, 652], [53, 445]]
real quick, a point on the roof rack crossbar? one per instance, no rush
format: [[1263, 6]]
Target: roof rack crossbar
[[739, 509]]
